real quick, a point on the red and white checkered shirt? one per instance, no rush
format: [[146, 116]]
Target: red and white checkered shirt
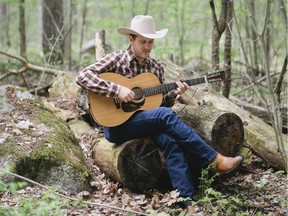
[[124, 63]]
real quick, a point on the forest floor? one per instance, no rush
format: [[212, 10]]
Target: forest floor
[[253, 190]]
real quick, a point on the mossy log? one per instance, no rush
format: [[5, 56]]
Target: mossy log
[[38, 145], [135, 163]]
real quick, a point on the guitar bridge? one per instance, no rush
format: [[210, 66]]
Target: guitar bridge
[[132, 106]]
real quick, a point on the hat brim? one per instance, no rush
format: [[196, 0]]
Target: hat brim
[[158, 34]]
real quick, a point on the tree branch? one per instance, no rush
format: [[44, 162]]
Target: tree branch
[[278, 87], [215, 22], [28, 66]]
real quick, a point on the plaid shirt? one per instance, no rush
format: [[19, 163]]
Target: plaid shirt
[[124, 63]]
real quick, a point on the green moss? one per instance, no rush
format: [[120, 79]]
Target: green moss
[[65, 146], [47, 151], [253, 138], [10, 148]]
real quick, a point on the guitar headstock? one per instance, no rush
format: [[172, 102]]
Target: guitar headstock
[[216, 76]]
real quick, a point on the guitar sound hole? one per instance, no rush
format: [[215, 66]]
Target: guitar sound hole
[[139, 93]]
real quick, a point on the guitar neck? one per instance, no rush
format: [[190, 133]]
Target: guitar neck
[[165, 88]]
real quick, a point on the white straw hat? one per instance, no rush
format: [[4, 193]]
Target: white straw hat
[[144, 26]]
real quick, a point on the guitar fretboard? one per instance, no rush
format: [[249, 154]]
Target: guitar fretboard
[[171, 86]]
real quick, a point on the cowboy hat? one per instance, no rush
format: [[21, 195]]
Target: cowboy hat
[[144, 26]]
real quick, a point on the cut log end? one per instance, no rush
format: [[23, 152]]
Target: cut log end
[[139, 165], [228, 134], [135, 163]]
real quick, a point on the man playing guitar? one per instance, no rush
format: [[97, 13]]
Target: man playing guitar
[[172, 136]]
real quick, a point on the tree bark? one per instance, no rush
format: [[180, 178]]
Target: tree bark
[[67, 38], [100, 44], [22, 28], [135, 163], [218, 29], [227, 49], [4, 10]]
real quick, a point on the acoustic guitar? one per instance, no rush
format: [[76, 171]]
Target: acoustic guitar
[[148, 91]]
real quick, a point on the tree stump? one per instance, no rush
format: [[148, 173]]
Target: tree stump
[[135, 163]]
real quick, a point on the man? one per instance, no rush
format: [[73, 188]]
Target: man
[[172, 136]]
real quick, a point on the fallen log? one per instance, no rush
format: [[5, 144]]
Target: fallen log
[[223, 130], [135, 163], [34, 143], [260, 112], [259, 136]]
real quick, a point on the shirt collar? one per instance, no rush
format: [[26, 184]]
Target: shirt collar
[[131, 56]]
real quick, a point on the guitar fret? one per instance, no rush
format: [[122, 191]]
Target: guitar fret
[[196, 81], [164, 88]]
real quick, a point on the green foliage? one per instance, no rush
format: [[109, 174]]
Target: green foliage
[[48, 204], [216, 203]]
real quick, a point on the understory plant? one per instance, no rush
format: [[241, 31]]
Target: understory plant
[[213, 202], [47, 204]]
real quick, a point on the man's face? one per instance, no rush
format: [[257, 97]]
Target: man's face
[[141, 47]]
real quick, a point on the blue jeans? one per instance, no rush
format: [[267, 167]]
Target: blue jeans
[[173, 137]]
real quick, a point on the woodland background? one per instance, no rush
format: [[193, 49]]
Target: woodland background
[[246, 38], [251, 47]]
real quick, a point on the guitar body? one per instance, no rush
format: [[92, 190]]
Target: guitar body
[[109, 112]]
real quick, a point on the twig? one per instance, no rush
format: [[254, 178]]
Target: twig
[[259, 81], [278, 87], [70, 198]]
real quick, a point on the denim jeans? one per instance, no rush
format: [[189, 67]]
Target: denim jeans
[[173, 137]]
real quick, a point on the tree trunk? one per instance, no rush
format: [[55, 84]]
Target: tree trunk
[[136, 163], [67, 38], [82, 27], [218, 29], [51, 155], [227, 49], [22, 29], [4, 10], [100, 44], [52, 35]]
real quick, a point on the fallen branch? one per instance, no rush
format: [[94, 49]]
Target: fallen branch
[[27, 66]]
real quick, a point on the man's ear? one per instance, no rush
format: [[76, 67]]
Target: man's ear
[[130, 38]]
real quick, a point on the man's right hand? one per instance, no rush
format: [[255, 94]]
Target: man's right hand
[[126, 94]]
